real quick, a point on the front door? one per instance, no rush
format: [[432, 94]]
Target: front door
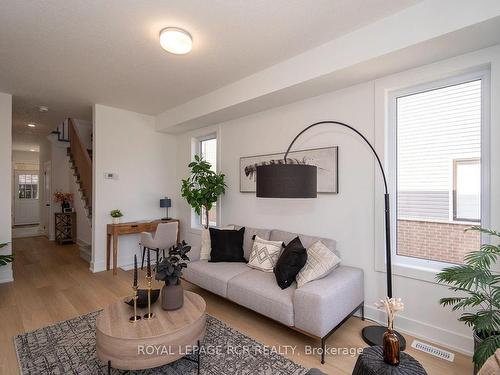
[[26, 207]]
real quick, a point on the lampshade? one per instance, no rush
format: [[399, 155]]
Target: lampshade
[[165, 203], [287, 181]]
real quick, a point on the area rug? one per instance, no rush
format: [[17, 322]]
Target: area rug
[[69, 348]]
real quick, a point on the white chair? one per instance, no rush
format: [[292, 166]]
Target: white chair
[[164, 238]]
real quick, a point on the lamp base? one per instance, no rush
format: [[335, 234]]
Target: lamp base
[[373, 335]]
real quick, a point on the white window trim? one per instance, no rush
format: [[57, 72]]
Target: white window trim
[[415, 268], [195, 222]]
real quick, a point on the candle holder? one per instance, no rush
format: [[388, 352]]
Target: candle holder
[[149, 314], [135, 317]]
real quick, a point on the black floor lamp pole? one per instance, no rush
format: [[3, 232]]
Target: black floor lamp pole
[[371, 334]]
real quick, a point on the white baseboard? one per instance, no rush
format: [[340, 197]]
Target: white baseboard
[[426, 332], [6, 275]]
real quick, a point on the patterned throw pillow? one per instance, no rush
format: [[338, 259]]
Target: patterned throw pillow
[[206, 245], [320, 262], [264, 254]]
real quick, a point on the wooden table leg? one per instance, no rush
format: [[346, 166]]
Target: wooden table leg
[[115, 253], [108, 250]]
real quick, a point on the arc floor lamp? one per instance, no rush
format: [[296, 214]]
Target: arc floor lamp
[[283, 180]]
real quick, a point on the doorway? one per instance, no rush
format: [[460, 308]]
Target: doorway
[[26, 206]]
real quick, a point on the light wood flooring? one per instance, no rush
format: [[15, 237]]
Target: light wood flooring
[[52, 284]]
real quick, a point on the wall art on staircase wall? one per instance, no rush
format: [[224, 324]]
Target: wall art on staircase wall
[[325, 159]]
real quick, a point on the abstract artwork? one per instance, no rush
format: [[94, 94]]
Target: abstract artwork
[[325, 159]]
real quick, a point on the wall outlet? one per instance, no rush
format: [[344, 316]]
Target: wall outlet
[[110, 176]]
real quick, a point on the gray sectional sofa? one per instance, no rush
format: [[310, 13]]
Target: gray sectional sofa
[[317, 309]]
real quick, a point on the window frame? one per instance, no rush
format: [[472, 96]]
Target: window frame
[[417, 268], [196, 223]]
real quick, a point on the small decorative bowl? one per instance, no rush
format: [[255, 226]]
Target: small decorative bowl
[[142, 297]]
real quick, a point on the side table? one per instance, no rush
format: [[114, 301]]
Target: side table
[[371, 362]]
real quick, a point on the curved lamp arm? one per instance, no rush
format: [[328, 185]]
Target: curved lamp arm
[[349, 127]]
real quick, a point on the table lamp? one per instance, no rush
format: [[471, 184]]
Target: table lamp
[[166, 203]]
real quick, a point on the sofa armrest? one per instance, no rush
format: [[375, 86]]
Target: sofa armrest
[[322, 304]]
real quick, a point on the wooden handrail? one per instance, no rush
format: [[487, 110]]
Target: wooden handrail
[[82, 160]]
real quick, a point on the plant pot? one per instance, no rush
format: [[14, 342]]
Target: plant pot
[[391, 348], [116, 220], [172, 297]]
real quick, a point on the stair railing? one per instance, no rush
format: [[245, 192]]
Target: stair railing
[[82, 161]]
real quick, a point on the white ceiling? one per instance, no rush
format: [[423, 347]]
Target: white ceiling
[[70, 54]]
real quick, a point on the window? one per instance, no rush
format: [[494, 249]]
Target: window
[[208, 150], [467, 190], [28, 186], [438, 171]]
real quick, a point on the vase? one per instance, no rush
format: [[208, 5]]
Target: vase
[[172, 296], [391, 348], [64, 205], [116, 220]]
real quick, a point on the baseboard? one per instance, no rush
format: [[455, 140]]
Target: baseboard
[[426, 332], [100, 266], [6, 275]]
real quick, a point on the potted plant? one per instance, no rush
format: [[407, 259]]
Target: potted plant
[[202, 189], [64, 198], [116, 216], [479, 297], [5, 259], [169, 270]]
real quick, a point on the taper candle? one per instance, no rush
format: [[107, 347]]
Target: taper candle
[[149, 265], [135, 269]]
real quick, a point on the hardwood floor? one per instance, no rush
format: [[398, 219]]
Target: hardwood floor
[[52, 284]]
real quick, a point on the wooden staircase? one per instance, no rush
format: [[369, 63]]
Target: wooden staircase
[[80, 161]]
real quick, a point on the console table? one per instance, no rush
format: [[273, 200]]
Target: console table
[[115, 230]]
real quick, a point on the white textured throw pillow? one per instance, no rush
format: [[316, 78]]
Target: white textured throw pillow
[[206, 245], [320, 262], [264, 254]]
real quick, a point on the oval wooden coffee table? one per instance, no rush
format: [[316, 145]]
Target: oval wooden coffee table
[[144, 344]]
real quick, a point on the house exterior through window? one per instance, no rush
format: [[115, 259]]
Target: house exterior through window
[[438, 152], [208, 150]]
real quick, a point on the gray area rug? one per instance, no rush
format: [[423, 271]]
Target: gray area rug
[[69, 348]]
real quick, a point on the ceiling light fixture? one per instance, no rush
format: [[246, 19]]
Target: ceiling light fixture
[[175, 40], [31, 125], [43, 108]]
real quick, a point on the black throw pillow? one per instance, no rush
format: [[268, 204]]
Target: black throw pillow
[[227, 245], [291, 261]]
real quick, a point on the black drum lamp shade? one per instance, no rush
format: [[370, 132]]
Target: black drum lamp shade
[[287, 181]]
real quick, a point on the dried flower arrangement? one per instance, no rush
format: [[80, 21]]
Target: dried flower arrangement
[[59, 196], [391, 306]]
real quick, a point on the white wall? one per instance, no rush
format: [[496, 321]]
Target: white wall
[[5, 181], [354, 217], [25, 157], [127, 144]]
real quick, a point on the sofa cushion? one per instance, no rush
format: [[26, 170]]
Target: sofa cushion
[[227, 245], [248, 238], [213, 276], [258, 291], [307, 241], [290, 262]]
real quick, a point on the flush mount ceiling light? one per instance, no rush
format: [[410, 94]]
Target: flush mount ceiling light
[[43, 108], [31, 125], [175, 40]]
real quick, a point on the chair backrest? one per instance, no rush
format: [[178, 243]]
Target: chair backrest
[[166, 235]]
